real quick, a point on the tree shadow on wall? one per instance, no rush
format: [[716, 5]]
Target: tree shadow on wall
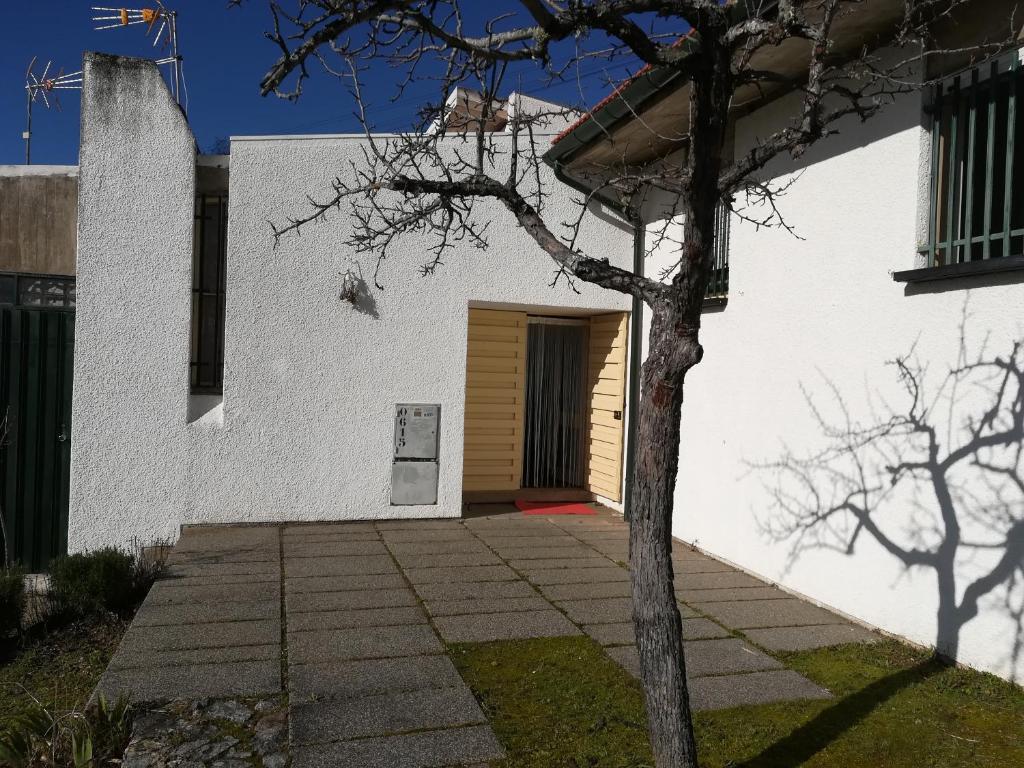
[[949, 453]]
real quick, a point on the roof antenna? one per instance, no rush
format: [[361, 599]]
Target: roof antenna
[[165, 23], [44, 86]]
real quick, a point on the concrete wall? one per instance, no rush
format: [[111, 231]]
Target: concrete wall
[[38, 218], [305, 427], [806, 315]]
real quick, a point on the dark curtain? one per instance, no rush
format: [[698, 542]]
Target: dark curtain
[[556, 372]]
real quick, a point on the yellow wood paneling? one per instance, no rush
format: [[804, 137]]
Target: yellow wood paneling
[[495, 400], [607, 403]]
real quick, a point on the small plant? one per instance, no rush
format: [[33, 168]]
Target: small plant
[[106, 580], [40, 736], [12, 600]]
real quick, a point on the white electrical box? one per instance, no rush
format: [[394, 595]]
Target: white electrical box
[[414, 469], [416, 431]]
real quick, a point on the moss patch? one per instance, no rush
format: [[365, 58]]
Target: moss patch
[[557, 702], [562, 702], [60, 670]]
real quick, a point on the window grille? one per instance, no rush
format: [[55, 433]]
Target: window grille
[[977, 166], [209, 268], [718, 285]]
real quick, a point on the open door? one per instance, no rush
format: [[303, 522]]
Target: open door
[[608, 341], [495, 401]]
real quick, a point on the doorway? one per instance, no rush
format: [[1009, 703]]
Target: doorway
[[555, 431], [545, 398]]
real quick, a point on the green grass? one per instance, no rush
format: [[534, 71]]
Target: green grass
[[563, 703], [60, 670]]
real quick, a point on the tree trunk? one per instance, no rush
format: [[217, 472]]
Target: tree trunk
[[673, 350]]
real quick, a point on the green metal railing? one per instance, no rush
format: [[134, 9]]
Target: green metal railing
[[718, 286], [977, 175], [36, 353]]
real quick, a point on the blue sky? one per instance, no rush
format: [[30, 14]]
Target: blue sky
[[226, 55]]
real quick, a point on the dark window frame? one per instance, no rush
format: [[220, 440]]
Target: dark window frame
[[206, 359], [976, 186]]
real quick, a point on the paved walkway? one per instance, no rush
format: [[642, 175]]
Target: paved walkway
[[351, 619]]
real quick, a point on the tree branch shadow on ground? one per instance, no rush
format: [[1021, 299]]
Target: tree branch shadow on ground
[[948, 462]]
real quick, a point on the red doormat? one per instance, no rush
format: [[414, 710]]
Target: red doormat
[[554, 508]]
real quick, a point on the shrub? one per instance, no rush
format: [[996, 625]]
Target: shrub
[[41, 736], [12, 600], [108, 579]]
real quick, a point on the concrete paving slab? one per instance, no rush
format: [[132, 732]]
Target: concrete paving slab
[[700, 565], [699, 628], [383, 714], [454, 534], [705, 658], [349, 600], [545, 576], [475, 590], [427, 749], [338, 566], [154, 615], [716, 580], [768, 613], [221, 579], [340, 527], [726, 691], [586, 591], [607, 610], [348, 679], [454, 523], [467, 544], [229, 535], [698, 596], [128, 657], [544, 553], [482, 628], [173, 593], [487, 605], [541, 542], [214, 571], [725, 656], [354, 581], [301, 548], [593, 560], [332, 537], [368, 617], [460, 574], [362, 643], [205, 556], [621, 633], [808, 637], [446, 559], [244, 678], [262, 632]]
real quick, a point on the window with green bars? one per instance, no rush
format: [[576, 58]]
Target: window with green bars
[[977, 165], [718, 286]]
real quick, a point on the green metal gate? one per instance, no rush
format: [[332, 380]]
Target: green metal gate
[[36, 353]]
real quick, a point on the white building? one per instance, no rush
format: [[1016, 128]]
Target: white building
[[297, 421], [815, 320]]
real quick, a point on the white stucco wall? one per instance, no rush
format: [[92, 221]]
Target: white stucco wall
[[803, 311], [310, 383]]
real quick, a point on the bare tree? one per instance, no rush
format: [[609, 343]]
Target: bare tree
[[958, 444], [428, 182]]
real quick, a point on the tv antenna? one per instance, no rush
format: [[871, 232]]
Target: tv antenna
[[161, 19], [44, 86]]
